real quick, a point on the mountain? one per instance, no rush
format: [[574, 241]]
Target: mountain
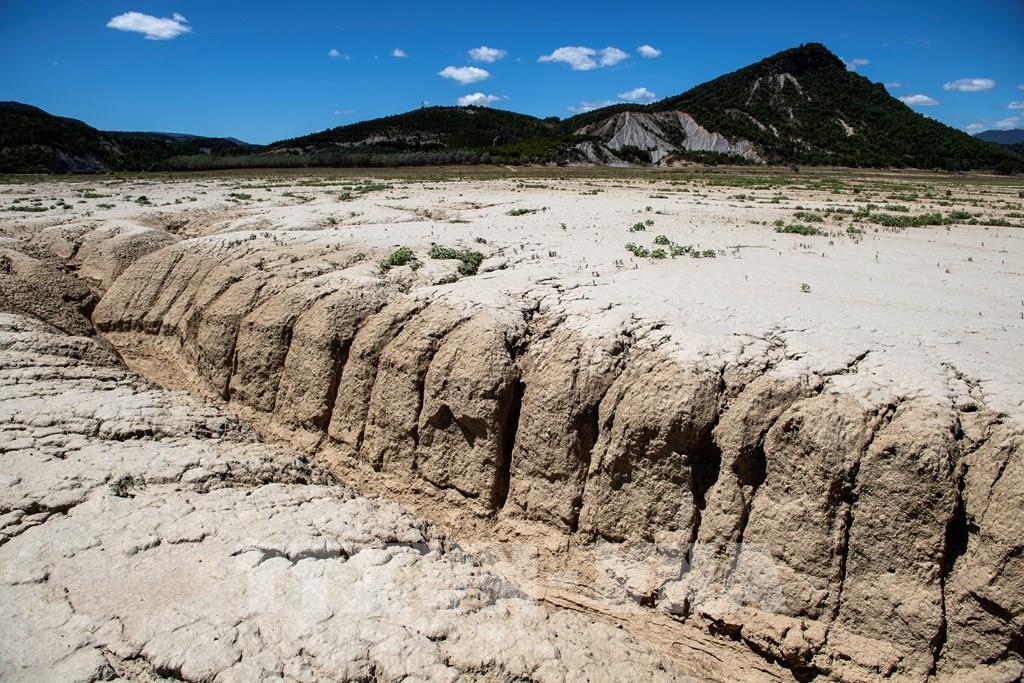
[[800, 106], [1003, 137], [33, 141]]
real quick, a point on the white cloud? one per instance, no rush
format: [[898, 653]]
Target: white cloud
[[1016, 105], [919, 101], [577, 57], [1020, 87], [970, 85], [581, 58], [333, 53], [892, 85], [852, 64], [648, 51], [1009, 122], [634, 96], [478, 99], [638, 95], [610, 56], [585, 106], [464, 74], [486, 54], [973, 128], [399, 53], [344, 112], [154, 28]]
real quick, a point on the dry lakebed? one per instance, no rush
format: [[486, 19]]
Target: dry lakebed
[[513, 425]]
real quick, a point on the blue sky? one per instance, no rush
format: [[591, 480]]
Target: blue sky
[[262, 70]]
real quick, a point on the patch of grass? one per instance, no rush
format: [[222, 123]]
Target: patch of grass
[[523, 212], [403, 256], [662, 239], [889, 220], [808, 217], [797, 229], [469, 260]]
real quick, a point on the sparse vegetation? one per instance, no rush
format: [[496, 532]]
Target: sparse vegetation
[[469, 260], [797, 229], [126, 485], [808, 217], [403, 256]]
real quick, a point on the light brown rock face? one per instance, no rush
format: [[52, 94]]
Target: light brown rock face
[[858, 509], [145, 536], [831, 486], [39, 289]]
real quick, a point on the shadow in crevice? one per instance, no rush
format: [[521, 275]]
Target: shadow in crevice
[[509, 432]]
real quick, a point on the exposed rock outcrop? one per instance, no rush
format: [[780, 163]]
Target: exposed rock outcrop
[[801, 514], [754, 481], [147, 536], [660, 134]]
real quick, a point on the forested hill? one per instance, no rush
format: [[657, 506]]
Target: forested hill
[[33, 141]]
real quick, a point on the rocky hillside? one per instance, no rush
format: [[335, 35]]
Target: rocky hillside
[[801, 106], [798, 106], [33, 141]]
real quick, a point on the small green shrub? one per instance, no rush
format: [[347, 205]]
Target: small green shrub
[[662, 239], [469, 260], [808, 217], [403, 256]]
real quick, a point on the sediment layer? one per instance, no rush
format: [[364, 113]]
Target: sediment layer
[[802, 458], [506, 408]]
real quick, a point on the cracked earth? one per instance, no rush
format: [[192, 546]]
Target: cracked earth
[[234, 449]]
